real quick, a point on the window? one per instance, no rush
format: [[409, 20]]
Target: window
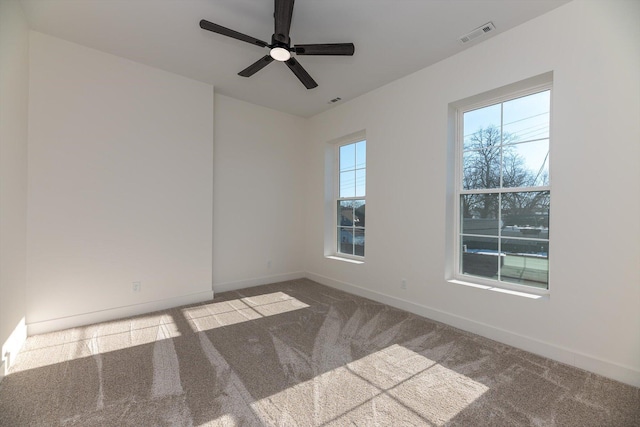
[[503, 192], [350, 200]]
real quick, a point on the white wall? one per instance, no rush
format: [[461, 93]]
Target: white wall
[[259, 195], [120, 186], [592, 317], [14, 92]]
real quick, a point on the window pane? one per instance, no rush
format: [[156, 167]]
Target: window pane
[[347, 157], [526, 165], [345, 240], [480, 256], [345, 213], [361, 155], [480, 214], [481, 168], [527, 118], [526, 262], [358, 241], [526, 214], [361, 181], [481, 126], [348, 184], [351, 213], [359, 213]]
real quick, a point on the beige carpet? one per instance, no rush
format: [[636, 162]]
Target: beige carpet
[[297, 354]]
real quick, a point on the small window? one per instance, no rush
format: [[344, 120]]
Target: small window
[[350, 200], [503, 190]]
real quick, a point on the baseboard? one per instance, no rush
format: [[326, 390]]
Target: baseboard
[[115, 313], [233, 286], [12, 346], [132, 310], [561, 354]]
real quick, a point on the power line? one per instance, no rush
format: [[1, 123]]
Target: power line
[[515, 121]]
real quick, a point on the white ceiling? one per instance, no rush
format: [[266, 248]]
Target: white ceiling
[[393, 38]]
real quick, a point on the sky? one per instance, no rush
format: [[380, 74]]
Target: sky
[[353, 162], [526, 118]]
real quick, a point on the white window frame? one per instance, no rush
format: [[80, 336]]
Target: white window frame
[[332, 195], [476, 102], [337, 199]]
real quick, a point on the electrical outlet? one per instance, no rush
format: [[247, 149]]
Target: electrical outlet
[[269, 264], [136, 286], [403, 284]]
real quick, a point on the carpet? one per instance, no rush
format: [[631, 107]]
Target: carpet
[[297, 354]]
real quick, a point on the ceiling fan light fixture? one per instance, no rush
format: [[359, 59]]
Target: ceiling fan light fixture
[[280, 54]]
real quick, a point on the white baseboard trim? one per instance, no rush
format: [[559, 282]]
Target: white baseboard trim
[[12, 346], [240, 284], [115, 313], [624, 374]]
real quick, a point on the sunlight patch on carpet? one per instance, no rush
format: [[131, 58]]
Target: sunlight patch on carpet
[[93, 340], [392, 386], [215, 315], [223, 421]]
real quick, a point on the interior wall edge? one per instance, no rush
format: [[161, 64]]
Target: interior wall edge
[[612, 370], [14, 90]]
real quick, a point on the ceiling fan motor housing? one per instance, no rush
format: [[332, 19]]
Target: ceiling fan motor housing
[[277, 42]]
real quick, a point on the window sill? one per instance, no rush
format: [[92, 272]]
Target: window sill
[[349, 260], [539, 295]]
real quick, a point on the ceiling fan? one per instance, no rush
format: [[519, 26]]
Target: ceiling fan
[[280, 47]]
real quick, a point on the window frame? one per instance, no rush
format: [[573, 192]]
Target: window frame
[[480, 101], [355, 139]]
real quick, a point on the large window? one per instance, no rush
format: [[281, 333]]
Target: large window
[[503, 190], [350, 200]]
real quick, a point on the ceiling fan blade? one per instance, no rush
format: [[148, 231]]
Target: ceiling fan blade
[[301, 73], [346, 49], [283, 13], [256, 66], [210, 26]]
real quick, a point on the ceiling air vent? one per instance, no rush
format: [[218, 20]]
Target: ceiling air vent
[[480, 31]]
